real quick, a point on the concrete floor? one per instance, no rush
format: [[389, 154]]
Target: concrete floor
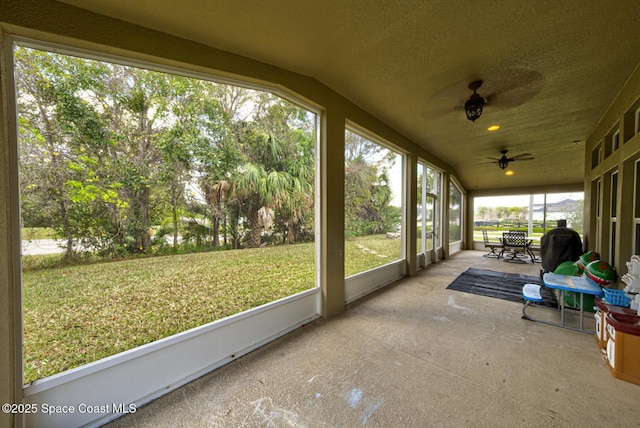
[[412, 355]]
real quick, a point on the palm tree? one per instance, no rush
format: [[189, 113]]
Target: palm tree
[[217, 194], [275, 180], [257, 188]]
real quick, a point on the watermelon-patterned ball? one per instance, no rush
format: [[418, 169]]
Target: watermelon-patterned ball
[[586, 258], [601, 272]]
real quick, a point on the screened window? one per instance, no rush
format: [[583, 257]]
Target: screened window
[[373, 203], [150, 203], [534, 214], [428, 210], [455, 213], [421, 218]]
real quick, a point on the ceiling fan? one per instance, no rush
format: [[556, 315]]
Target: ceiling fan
[[509, 88], [503, 162]]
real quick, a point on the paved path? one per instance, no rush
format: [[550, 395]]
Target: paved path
[[42, 246]]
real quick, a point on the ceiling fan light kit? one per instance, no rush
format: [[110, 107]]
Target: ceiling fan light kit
[[503, 162], [473, 106]]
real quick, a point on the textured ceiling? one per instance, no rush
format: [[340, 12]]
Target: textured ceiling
[[550, 68]]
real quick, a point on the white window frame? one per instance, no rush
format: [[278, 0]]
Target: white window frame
[[599, 154], [425, 256], [456, 246], [363, 283], [614, 203], [615, 141]]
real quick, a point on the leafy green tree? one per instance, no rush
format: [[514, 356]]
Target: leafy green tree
[[217, 153], [62, 138], [108, 151], [517, 213], [273, 184], [260, 183], [367, 191], [140, 100], [502, 213], [483, 213], [293, 131]]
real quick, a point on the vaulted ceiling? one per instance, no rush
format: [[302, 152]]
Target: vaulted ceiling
[[549, 68]]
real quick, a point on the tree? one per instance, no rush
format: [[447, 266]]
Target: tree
[[292, 131], [260, 184], [61, 141], [367, 191], [218, 156], [275, 180], [108, 150]]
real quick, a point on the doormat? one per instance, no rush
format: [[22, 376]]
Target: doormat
[[500, 285]]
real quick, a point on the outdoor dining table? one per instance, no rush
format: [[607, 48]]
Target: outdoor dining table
[[517, 243], [577, 284]]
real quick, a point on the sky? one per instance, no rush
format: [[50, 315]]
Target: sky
[[523, 200]]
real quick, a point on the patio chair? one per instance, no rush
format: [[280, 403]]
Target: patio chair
[[491, 245], [516, 244]]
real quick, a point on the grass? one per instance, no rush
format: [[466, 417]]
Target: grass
[[368, 252], [31, 233], [78, 314], [496, 235]]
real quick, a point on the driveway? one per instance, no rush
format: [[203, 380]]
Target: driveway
[[42, 246]]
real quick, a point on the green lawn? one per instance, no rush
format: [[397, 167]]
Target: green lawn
[[368, 252], [31, 233], [496, 235], [79, 314]]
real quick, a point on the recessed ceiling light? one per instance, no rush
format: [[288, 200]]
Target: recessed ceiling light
[[508, 172], [493, 128]]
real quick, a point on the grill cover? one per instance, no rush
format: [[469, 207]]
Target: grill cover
[[559, 245]]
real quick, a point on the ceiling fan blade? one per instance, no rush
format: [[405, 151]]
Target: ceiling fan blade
[[482, 163], [503, 162], [522, 155]]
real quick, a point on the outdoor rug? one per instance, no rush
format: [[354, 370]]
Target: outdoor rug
[[501, 285]]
